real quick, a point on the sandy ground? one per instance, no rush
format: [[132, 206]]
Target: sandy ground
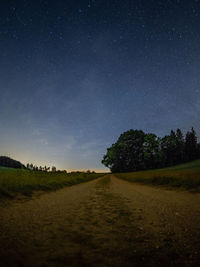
[[105, 222]]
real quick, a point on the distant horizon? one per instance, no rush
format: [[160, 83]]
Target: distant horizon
[[35, 163], [66, 165]]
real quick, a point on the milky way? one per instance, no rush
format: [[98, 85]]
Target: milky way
[[74, 75]]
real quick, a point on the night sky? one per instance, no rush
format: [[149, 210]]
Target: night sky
[[74, 75]]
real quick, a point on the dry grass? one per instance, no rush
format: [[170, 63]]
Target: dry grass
[[15, 181], [185, 175]]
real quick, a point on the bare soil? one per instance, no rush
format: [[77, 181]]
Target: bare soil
[[105, 222]]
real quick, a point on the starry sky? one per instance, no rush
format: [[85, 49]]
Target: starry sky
[[74, 75]]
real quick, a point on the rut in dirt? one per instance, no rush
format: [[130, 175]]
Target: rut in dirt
[[106, 222]]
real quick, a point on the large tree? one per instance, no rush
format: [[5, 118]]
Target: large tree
[[127, 153], [168, 148], [152, 152], [180, 146], [191, 147], [135, 150]]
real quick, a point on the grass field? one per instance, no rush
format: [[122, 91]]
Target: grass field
[[185, 176], [15, 181]]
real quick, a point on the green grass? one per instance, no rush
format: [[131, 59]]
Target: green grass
[[15, 181], [185, 176]]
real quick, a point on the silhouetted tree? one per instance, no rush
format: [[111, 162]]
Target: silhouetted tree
[[170, 149], [152, 153], [135, 150], [127, 153], [180, 146], [53, 169], [113, 159], [31, 166], [191, 148]]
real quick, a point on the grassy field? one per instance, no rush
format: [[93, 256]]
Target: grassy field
[[15, 181], [185, 176]]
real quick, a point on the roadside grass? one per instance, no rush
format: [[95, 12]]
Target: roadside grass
[[15, 181], [185, 176]]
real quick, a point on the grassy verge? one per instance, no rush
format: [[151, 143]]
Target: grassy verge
[[185, 176], [15, 181]]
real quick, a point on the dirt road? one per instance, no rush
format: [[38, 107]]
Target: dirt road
[[105, 222]]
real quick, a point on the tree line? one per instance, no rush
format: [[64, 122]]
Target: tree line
[[32, 167], [136, 150]]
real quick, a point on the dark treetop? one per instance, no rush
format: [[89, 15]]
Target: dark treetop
[[135, 150]]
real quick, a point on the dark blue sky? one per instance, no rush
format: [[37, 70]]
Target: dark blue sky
[[74, 75]]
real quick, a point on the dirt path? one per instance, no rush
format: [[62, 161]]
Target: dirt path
[[106, 222]]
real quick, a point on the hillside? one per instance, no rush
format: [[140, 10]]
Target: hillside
[[10, 163], [185, 175]]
